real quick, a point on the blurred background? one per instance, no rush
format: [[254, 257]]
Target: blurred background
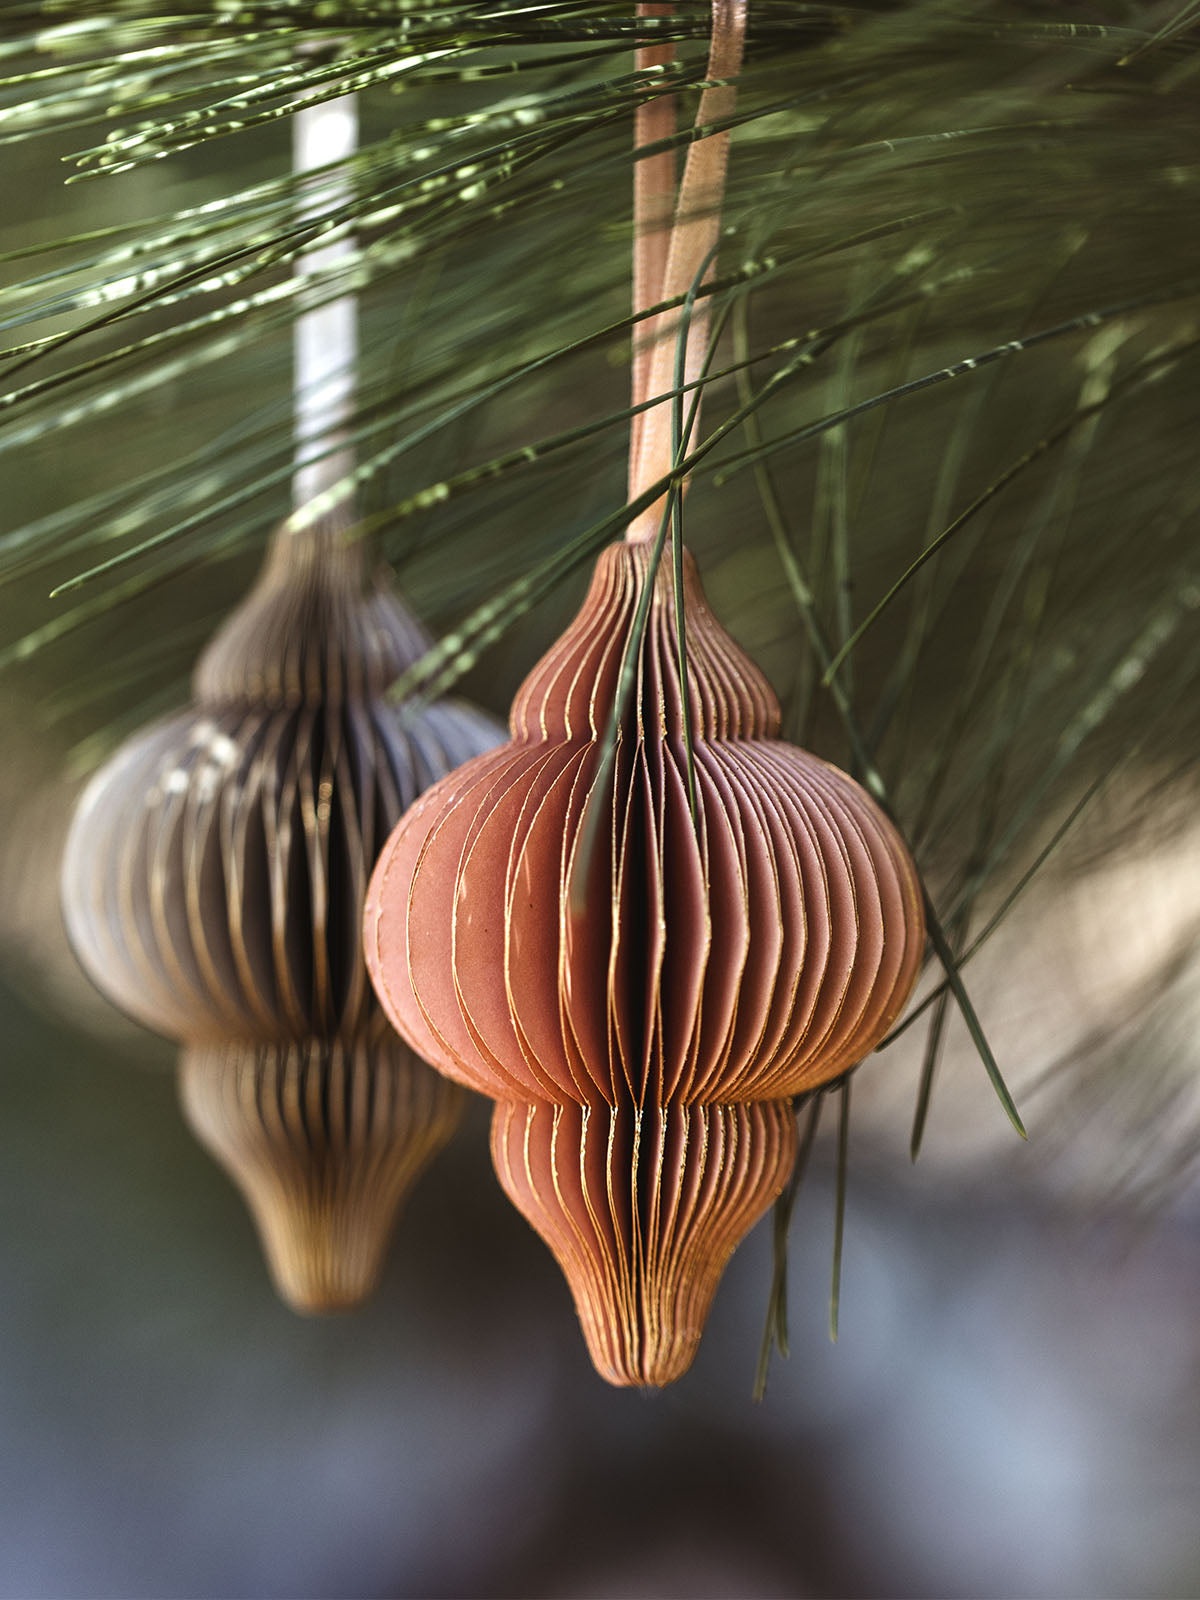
[[1012, 1406]]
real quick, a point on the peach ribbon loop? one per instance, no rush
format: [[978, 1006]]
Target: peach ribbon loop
[[666, 265]]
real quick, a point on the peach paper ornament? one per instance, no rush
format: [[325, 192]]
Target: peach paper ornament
[[643, 989]]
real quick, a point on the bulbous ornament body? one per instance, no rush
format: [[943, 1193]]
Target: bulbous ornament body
[[213, 882], [566, 937]]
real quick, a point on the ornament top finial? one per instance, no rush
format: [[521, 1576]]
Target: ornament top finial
[[315, 628]]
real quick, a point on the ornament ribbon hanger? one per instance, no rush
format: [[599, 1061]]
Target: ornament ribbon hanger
[[325, 341], [673, 234]]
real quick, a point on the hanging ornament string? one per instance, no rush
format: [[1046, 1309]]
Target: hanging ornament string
[[653, 209], [325, 342], [668, 264]]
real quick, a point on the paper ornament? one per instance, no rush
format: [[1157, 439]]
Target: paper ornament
[[213, 883], [643, 959], [643, 991]]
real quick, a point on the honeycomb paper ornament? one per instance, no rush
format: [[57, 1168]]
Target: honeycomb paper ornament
[[643, 993], [213, 884], [643, 960]]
